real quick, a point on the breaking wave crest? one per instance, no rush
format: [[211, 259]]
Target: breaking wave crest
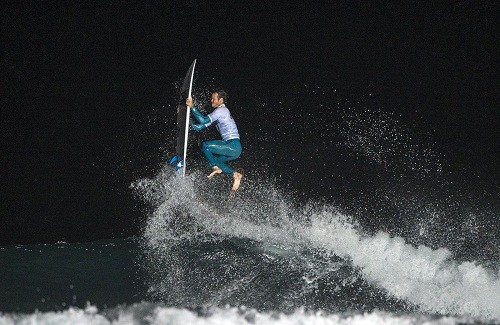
[[191, 209]]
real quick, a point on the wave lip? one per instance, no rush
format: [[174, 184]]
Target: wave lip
[[422, 276]]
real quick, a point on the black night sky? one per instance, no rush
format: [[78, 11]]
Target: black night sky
[[85, 88]]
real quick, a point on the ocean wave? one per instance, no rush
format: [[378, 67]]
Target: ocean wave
[[427, 278]]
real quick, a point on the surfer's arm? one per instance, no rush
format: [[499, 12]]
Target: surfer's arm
[[202, 119], [197, 127]]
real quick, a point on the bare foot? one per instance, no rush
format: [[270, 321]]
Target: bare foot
[[237, 175], [215, 170]]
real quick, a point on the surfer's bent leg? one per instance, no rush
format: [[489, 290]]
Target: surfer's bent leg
[[218, 152]]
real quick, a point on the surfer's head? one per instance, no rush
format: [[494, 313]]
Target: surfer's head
[[219, 96]]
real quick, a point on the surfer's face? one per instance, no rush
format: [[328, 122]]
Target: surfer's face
[[216, 101]]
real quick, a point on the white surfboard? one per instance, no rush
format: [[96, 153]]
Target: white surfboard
[[183, 123]]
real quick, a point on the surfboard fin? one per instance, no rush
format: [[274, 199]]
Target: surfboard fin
[[176, 162], [179, 165]]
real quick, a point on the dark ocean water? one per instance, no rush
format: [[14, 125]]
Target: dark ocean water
[[264, 258], [56, 276]]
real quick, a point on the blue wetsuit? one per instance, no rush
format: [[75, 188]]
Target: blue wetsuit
[[218, 152]]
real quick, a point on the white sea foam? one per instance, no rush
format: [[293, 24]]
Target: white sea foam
[[421, 276], [146, 313]]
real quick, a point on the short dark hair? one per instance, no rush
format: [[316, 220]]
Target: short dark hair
[[221, 92]]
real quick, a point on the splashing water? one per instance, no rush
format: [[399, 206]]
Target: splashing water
[[379, 136], [318, 237]]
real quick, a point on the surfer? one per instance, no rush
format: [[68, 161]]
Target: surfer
[[218, 152]]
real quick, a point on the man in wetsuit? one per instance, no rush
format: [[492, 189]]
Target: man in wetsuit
[[218, 152]]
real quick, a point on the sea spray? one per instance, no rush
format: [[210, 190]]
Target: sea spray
[[425, 277], [421, 276]]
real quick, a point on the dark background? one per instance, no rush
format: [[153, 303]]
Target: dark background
[[88, 91]]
